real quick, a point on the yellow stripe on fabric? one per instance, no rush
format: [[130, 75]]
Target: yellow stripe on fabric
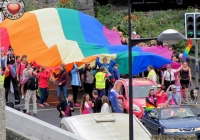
[[52, 34]]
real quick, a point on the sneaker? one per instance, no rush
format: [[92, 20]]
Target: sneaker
[[22, 97], [46, 104], [41, 105], [76, 105]]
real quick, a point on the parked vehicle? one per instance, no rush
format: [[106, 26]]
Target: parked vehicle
[[111, 126], [119, 95], [172, 121]]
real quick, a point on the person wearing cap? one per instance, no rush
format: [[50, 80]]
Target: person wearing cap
[[109, 68], [152, 74], [101, 81], [87, 78], [174, 97], [134, 35], [169, 76], [161, 97], [96, 101]]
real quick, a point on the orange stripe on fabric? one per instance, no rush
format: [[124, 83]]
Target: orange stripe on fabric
[[25, 38]]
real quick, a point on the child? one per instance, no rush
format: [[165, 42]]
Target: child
[[65, 107], [96, 101]]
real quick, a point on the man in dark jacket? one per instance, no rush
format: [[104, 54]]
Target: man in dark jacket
[[96, 101], [65, 107]]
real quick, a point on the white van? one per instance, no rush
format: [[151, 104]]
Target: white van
[[112, 126]]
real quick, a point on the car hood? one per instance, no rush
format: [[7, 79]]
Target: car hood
[[181, 123], [140, 101]]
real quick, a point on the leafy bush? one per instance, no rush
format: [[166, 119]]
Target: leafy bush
[[146, 24], [70, 4]]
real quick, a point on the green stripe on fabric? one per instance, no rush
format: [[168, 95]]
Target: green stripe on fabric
[[122, 60], [71, 24], [72, 31]]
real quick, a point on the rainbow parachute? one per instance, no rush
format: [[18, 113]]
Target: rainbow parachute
[[53, 36]]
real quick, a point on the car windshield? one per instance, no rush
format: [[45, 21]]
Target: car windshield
[[142, 91], [176, 113]]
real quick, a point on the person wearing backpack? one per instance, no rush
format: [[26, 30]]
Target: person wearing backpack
[[32, 86], [43, 77]]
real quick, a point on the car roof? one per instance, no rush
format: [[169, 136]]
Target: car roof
[[86, 127], [140, 82]]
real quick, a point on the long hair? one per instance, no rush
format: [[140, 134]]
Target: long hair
[[83, 100], [64, 68], [23, 56], [105, 100]]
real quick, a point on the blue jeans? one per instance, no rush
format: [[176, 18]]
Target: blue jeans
[[61, 89], [101, 92], [44, 94]]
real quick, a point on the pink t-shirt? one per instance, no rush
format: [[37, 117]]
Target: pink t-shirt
[[20, 69], [161, 99]]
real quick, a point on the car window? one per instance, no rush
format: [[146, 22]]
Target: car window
[[122, 91], [173, 113], [117, 86]]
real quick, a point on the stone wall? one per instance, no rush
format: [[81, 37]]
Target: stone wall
[[2, 114], [86, 6]]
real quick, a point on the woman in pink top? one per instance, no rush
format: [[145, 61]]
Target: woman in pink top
[[20, 68], [161, 97], [86, 105]]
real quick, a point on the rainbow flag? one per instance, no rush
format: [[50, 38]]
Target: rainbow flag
[[187, 49], [149, 106], [52, 36]]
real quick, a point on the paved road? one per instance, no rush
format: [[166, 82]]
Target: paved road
[[51, 115]]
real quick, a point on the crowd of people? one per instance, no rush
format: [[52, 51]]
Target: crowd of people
[[32, 81]]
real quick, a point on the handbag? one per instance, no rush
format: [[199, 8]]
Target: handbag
[[52, 79]]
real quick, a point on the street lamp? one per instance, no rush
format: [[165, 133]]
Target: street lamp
[[131, 131], [132, 42]]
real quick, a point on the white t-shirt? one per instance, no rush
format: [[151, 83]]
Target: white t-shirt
[[105, 108], [167, 75]]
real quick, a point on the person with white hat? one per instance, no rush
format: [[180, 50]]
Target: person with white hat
[[169, 76], [134, 35], [174, 98], [161, 97]]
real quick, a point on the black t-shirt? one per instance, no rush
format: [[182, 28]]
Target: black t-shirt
[[10, 59]]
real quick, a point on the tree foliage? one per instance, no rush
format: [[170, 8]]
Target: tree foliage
[[146, 24]]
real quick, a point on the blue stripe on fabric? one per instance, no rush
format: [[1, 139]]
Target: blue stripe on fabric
[[145, 59], [92, 30]]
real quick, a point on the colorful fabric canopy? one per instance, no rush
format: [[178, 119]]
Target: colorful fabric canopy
[[53, 36]]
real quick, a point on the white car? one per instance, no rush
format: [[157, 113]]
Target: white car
[[112, 126]]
